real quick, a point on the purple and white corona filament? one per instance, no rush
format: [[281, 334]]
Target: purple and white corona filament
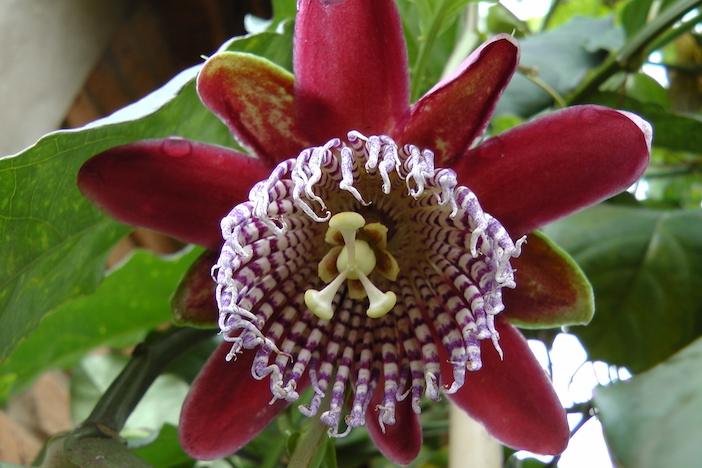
[[341, 259]]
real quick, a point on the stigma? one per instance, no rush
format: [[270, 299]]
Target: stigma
[[353, 261]]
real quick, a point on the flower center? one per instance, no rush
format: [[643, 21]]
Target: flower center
[[354, 261], [415, 265]]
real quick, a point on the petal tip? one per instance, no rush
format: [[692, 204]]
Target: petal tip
[[645, 127]]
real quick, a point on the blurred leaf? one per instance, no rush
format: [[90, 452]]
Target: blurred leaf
[[160, 405], [283, 10], [502, 123], [562, 57], [654, 419], [674, 179], [672, 131], [637, 13], [53, 243], [276, 47], [501, 20], [565, 11], [131, 301], [646, 270], [419, 19], [634, 15], [643, 88], [165, 450]]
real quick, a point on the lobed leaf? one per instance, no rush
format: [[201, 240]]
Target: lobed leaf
[[645, 267], [651, 420]]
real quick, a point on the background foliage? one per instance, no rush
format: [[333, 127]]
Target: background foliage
[[641, 251]]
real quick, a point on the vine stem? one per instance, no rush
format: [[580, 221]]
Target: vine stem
[[148, 361], [634, 49]]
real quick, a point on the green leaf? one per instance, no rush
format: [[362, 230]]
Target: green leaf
[[638, 13], [53, 243], [165, 451], [132, 300], [431, 31], [646, 270], [283, 10], [645, 89], [674, 180], [501, 20], [654, 419], [566, 11], [276, 47], [634, 15], [562, 57]]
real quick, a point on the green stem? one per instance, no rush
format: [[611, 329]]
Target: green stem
[[311, 446], [672, 34], [634, 49], [532, 75], [275, 450], [425, 48], [148, 361], [313, 442]]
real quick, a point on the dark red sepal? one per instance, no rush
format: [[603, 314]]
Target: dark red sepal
[[175, 186], [555, 165], [513, 398], [226, 407]]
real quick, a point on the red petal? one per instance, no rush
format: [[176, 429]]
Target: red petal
[[555, 165], [350, 67], [175, 186], [513, 398], [226, 407], [456, 111], [401, 442], [552, 290], [254, 97]]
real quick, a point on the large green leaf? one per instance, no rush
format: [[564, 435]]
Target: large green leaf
[[646, 270], [132, 300], [53, 243], [654, 419]]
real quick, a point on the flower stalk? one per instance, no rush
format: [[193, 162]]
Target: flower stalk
[[469, 445]]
